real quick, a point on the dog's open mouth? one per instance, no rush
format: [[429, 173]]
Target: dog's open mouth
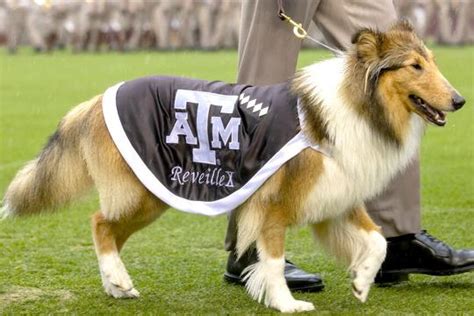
[[428, 112]]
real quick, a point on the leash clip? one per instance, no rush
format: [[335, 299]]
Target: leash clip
[[298, 29], [300, 32]]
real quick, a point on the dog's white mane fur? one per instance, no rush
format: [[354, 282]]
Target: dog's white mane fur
[[362, 162]]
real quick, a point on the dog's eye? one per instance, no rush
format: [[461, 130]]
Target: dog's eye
[[417, 66]]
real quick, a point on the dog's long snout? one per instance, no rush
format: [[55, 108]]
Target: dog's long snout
[[458, 101]]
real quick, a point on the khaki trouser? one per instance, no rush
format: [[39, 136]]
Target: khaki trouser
[[227, 24], [454, 31], [204, 16], [268, 53], [164, 11], [16, 26]]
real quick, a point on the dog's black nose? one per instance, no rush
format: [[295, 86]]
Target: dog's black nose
[[458, 101]]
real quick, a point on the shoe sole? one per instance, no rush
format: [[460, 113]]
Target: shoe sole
[[316, 287], [431, 272], [389, 279], [393, 277]]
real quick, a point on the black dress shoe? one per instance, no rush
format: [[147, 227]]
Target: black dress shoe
[[424, 254], [297, 279]]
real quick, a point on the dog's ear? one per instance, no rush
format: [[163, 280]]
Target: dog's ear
[[367, 44], [403, 25]]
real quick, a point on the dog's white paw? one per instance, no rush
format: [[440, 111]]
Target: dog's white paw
[[360, 289], [116, 281], [294, 306], [363, 274], [118, 285], [118, 291]]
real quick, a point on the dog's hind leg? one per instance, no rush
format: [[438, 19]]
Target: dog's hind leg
[[109, 238], [125, 205], [265, 279], [356, 240]]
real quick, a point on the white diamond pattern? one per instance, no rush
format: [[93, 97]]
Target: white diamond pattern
[[258, 107], [251, 104], [263, 111]]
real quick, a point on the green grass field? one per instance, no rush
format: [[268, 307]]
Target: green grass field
[[48, 265]]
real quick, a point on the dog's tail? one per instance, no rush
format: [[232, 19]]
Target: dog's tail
[[58, 175]]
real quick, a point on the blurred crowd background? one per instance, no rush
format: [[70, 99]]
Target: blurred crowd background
[[125, 25]]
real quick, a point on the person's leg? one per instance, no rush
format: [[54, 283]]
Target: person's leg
[[338, 20], [15, 27], [223, 25], [452, 28], [160, 25], [35, 29], [204, 21], [268, 52]]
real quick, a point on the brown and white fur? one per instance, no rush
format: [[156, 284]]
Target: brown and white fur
[[368, 107]]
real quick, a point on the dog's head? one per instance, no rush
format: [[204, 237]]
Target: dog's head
[[402, 72]]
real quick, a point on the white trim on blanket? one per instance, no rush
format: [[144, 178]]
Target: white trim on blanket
[[148, 179]]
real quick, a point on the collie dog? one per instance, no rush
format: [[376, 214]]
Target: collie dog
[[367, 108]]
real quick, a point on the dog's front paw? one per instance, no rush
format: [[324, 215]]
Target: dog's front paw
[[294, 306], [118, 291], [360, 289], [119, 285], [116, 281]]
